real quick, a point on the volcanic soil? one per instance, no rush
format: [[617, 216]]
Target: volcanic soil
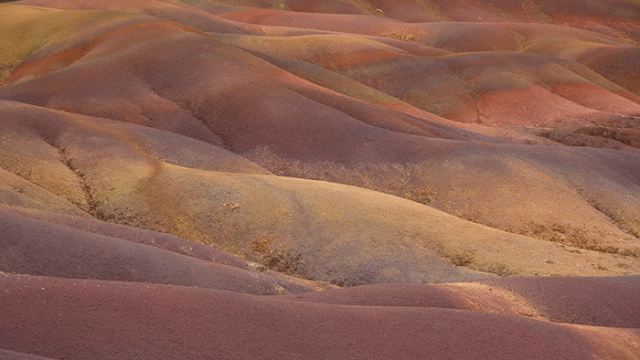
[[294, 179]]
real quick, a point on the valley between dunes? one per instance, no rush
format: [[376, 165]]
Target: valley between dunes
[[332, 179]]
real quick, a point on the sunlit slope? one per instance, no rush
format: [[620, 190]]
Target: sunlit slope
[[316, 230], [158, 9], [20, 38], [209, 90]]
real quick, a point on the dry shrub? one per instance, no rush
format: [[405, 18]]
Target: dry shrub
[[277, 258], [499, 269], [464, 259]]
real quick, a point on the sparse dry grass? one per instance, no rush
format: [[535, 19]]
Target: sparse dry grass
[[406, 181], [276, 257], [403, 35], [577, 238], [463, 259], [395, 179]]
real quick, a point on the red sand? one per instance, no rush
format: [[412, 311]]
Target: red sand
[[12, 355], [611, 302], [119, 320], [468, 107]]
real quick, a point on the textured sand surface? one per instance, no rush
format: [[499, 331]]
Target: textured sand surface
[[239, 179], [116, 320]]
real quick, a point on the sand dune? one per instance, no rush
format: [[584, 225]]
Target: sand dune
[[40, 248], [556, 299], [317, 230], [298, 128], [118, 320], [404, 179]]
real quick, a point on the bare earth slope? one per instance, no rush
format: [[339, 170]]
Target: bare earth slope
[[117, 320], [468, 171]]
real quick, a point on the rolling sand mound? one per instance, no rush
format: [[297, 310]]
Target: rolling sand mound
[[297, 128], [165, 165], [39, 248], [118, 320], [609, 302], [169, 10], [316, 230]]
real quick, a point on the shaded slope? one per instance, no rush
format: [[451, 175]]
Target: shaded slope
[[609, 302], [162, 241], [39, 248], [127, 233], [133, 317]]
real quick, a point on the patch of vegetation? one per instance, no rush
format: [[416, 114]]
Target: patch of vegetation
[[464, 259], [279, 259], [635, 253], [402, 180], [352, 280], [499, 269], [505, 15], [467, 259], [402, 35], [576, 238]]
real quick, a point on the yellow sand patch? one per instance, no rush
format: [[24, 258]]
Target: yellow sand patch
[[494, 299], [25, 29], [317, 49]]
